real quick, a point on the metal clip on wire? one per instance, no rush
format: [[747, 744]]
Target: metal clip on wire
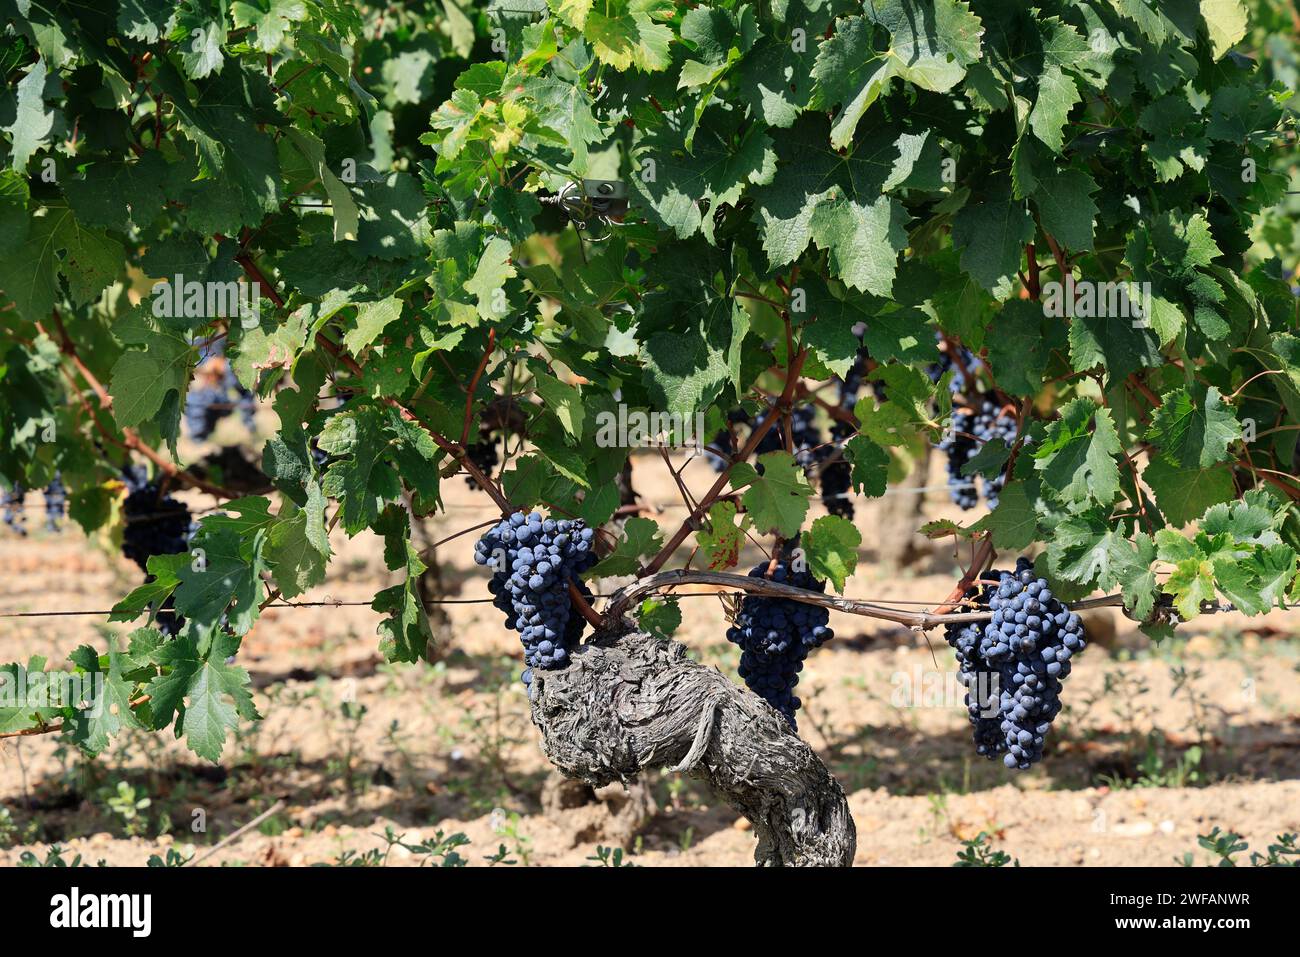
[[603, 201]]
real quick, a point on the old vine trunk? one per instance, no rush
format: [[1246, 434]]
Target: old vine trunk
[[630, 702]]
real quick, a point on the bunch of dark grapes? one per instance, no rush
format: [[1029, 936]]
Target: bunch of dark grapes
[[805, 438], [244, 400], [967, 434], [1013, 665], [482, 453], [836, 475], [156, 524], [851, 382], [725, 439], [957, 383], [56, 503], [992, 422], [960, 446], [533, 560], [776, 634], [13, 505], [206, 405]]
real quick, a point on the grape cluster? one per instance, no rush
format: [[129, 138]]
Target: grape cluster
[[206, 405], [725, 439], [809, 449], [957, 383], [156, 524], [13, 505], [851, 382], [1013, 665], [969, 431], [837, 475], [805, 437], [776, 634], [960, 446], [482, 453], [533, 560], [990, 423], [56, 503]]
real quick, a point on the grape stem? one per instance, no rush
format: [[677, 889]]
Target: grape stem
[[130, 438], [454, 449], [761, 429], [660, 581]]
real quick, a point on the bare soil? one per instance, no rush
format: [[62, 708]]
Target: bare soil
[[1156, 746]]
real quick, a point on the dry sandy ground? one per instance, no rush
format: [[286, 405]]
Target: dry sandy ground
[[352, 746]]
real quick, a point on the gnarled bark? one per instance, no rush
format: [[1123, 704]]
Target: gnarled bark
[[629, 702]]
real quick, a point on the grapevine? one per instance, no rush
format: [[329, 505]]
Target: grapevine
[[775, 635], [1013, 665], [541, 250], [534, 560]]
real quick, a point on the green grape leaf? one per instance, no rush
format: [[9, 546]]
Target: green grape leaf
[[564, 401], [271, 20], [298, 547], [565, 108], [686, 369], [362, 477], [775, 79], [372, 319], [622, 33], [142, 378], [116, 194], [32, 122], [641, 538], [989, 460], [219, 576], [1191, 583], [405, 635], [1077, 457], [930, 45], [144, 19], [1065, 205], [1057, 94], [25, 696], [1013, 523], [1018, 346], [1194, 428], [1177, 143], [870, 466], [660, 616], [206, 696], [831, 546], [1225, 22], [778, 499], [346, 217], [721, 538], [1184, 494], [490, 275], [992, 235], [835, 202], [673, 179], [109, 705]]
